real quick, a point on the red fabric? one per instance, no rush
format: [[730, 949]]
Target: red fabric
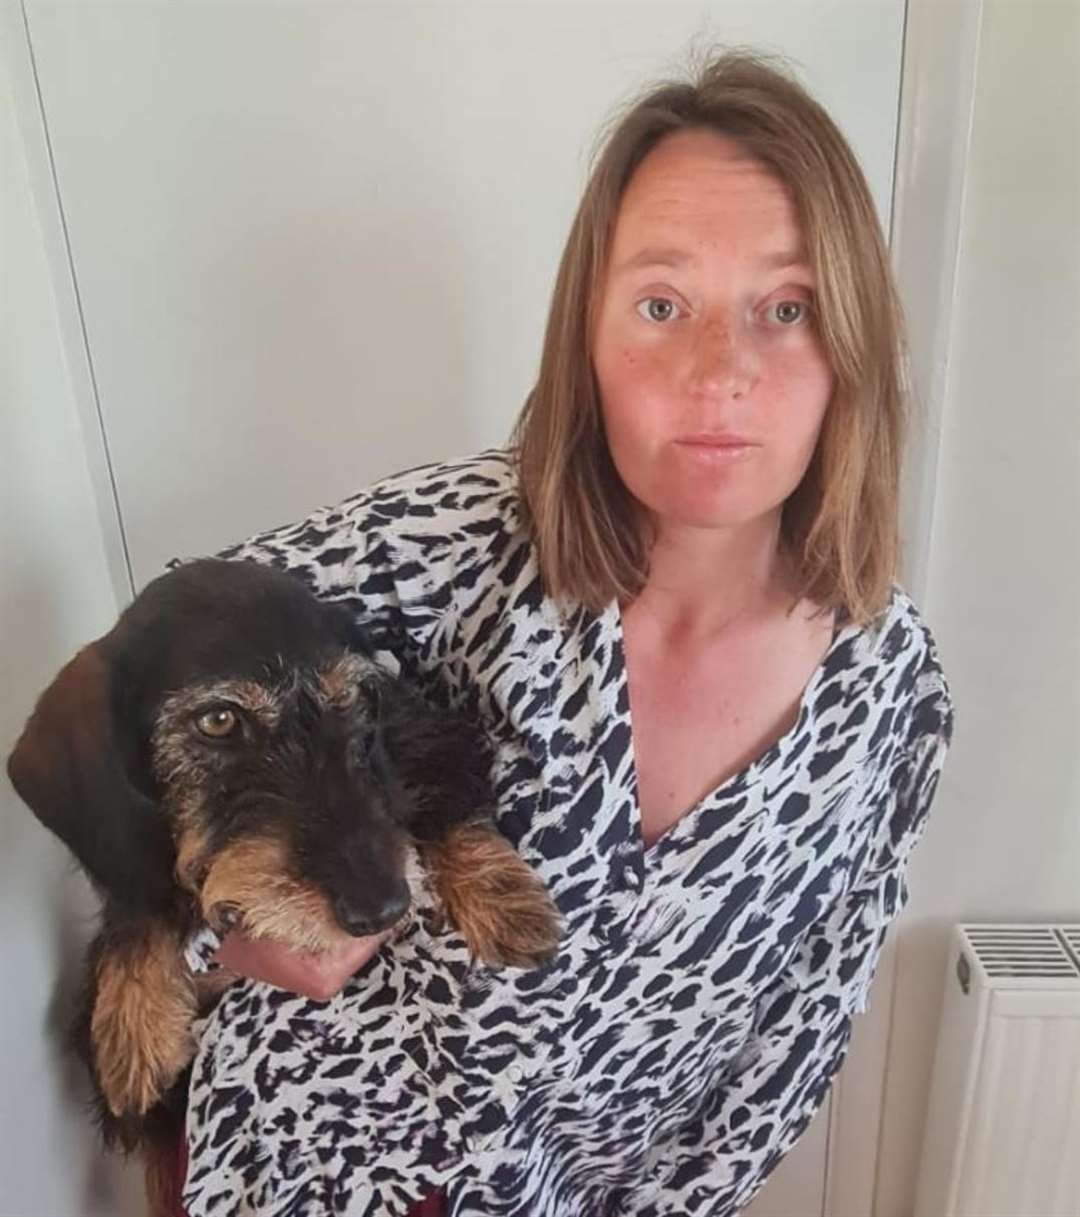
[[181, 1171], [431, 1207]]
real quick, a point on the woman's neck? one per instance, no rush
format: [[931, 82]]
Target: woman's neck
[[702, 581]]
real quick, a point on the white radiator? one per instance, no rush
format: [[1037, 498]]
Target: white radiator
[[1003, 1125]]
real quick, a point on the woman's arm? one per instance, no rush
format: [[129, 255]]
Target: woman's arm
[[719, 1161]]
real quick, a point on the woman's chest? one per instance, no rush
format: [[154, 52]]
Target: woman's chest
[[701, 716]]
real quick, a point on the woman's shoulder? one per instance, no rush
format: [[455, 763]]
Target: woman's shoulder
[[421, 505], [899, 629], [899, 648], [403, 540], [438, 531], [451, 493]]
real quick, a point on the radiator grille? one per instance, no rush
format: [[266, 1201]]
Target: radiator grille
[[1071, 936], [1025, 953]]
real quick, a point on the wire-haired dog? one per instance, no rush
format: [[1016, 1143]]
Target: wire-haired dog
[[231, 753]]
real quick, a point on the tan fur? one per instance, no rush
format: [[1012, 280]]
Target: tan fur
[[493, 897], [337, 683], [250, 876], [191, 851], [140, 1026]]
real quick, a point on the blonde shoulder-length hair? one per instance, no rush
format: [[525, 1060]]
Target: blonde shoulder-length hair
[[840, 525]]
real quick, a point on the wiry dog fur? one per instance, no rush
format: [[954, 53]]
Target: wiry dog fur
[[230, 753]]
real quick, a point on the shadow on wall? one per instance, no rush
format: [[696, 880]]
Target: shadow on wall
[[51, 1158], [109, 1186], [51, 914]]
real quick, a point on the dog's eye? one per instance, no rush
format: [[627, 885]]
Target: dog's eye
[[217, 724]]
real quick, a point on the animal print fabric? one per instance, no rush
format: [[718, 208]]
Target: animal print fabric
[[702, 997]]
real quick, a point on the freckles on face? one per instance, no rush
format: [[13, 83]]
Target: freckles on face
[[703, 334]]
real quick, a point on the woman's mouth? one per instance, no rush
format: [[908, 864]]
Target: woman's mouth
[[717, 446]]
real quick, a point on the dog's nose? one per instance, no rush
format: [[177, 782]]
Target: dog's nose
[[361, 917]]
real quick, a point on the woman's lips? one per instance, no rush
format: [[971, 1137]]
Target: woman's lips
[[717, 448]]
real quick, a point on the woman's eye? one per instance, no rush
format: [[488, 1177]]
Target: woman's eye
[[788, 312], [656, 308], [348, 697], [217, 724]]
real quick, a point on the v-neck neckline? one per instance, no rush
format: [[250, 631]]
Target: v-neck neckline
[[745, 777]]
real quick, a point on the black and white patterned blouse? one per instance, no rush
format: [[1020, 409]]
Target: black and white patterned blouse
[[702, 997]]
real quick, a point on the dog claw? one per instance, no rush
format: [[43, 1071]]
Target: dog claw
[[495, 899], [224, 917]]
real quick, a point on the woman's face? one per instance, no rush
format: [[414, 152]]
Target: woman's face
[[713, 381]]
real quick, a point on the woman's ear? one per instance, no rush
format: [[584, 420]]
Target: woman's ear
[[69, 768]]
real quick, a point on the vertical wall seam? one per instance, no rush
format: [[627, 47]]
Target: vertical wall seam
[[895, 969], [899, 119], [954, 295], [895, 963], [69, 257], [933, 484]]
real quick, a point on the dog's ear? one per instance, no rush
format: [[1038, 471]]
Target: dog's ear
[[351, 634], [441, 756], [69, 768]]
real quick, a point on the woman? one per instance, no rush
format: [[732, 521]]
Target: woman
[[718, 723]]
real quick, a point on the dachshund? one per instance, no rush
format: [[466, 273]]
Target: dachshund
[[230, 754]]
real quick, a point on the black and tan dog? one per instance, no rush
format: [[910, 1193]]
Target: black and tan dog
[[230, 753]]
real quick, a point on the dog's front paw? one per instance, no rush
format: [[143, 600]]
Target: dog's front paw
[[494, 898], [140, 1027]]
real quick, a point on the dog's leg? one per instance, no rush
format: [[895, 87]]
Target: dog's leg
[[493, 897], [140, 1027]]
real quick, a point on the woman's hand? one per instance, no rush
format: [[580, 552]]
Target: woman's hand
[[318, 976]]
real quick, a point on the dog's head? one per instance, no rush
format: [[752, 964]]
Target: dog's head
[[225, 739]]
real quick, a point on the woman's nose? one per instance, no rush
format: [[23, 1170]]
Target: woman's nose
[[721, 361]]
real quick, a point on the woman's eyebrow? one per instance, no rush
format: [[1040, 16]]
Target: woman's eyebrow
[[784, 259], [655, 256], [666, 256]]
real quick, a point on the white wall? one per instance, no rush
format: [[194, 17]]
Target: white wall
[[315, 242], [1004, 574], [55, 594]]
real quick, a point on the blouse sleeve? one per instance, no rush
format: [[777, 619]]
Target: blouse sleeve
[[719, 1161], [391, 552]]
